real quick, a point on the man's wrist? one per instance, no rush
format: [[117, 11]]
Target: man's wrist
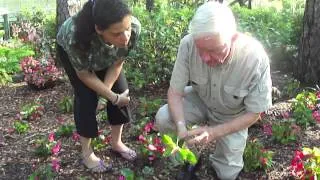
[[180, 123]]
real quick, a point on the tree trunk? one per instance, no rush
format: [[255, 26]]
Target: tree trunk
[[65, 9], [149, 5], [307, 67]]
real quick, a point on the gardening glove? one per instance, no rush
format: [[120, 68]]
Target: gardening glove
[[122, 99], [182, 129]]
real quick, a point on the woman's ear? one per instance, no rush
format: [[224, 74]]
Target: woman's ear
[[98, 30]]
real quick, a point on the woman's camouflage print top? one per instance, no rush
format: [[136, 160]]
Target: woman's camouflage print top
[[100, 55]]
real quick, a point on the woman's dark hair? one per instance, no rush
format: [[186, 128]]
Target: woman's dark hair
[[102, 13]]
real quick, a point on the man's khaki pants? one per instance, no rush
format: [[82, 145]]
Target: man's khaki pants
[[227, 157]]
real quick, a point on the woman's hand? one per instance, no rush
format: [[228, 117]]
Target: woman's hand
[[122, 99], [201, 135]]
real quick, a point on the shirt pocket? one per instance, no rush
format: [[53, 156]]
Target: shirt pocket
[[233, 97], [200, 85]]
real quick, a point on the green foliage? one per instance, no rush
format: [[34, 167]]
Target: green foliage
[[43, 147], [292, 88], [43, 172], [2, 33], [278, 30], [65, 130], [66, 104], [102, 115], [31, 111], [152, 61], [285, 132], [180, 153], [148, 107], [101, 141], [4, 77], [21, 127], [256, 157], [127, 173], [11, 56], [302, 109]]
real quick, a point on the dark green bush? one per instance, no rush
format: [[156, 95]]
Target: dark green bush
[[154, 57]]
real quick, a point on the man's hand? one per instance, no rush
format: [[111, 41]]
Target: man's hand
[[203, 134], [182, 129]]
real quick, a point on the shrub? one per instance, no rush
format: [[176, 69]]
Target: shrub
[[21, 127], [255, 156], [304, 105], [66, 104], [40, 73], [31, 111], [157, 47], [306, 163]]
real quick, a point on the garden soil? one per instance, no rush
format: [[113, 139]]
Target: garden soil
[[18, 161]]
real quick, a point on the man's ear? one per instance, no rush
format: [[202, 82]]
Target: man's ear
[[234, 37], [97, 29]]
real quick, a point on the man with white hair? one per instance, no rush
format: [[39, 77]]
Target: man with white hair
[[230, 81]]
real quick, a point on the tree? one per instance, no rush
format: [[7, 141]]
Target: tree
[[65, 9], [307, 66]]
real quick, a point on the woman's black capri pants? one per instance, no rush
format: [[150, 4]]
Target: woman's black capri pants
[[86, 100]]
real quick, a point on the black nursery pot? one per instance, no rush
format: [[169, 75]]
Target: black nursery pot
[[188, 171]]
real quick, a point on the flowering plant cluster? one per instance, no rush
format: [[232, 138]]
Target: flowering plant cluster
[[151, 144], [306, 109], [25, 31], [256, 156], [47, 147], [103, 139], [40, 73], [31, 111], [306, 163]]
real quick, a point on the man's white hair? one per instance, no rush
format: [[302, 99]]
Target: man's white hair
[[214, 18]]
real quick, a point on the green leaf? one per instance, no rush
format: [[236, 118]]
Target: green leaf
[[127, 173]]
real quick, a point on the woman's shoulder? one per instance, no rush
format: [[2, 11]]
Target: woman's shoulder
[[66, 32]]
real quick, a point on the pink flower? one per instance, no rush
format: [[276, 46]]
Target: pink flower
[[318, 94], [151, 147], [142, 139], [51, 137], [56, 148], [160, 149], [263, 161], [108, 139], [60, 120], [152, 157], [75, 136], [148, 127], [267, 129], [157, 141], [122, 177], [55, 164], [286, 115], [316, 116]]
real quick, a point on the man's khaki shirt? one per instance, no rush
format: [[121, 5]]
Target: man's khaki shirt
[[242, 84]]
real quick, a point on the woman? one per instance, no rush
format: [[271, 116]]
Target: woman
[[92, 46]]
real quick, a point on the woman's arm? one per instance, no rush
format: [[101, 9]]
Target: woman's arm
[[91, 80], [113, 73]]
